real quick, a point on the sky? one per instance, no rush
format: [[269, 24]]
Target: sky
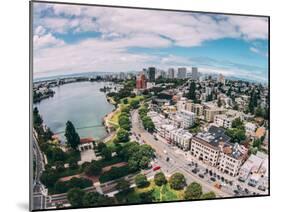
[[71, 39]]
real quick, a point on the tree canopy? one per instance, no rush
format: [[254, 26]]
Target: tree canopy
[[71, 135], [75, 197], [141, 181], [160, 179], [193, 191], [177, 181]]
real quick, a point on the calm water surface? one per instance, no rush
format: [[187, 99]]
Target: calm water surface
[[82, 103]]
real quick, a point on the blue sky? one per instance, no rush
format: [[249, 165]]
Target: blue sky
[[70, 39]]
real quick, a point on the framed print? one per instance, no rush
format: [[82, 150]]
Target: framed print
[[143, 106]]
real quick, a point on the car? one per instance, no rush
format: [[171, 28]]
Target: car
[[139, 135], [239, 187], [167, 159], [201, 175], [156, 168], [213, 179], [246, 191], [236, 192], [262, 188], [251, 184], [194, 171]]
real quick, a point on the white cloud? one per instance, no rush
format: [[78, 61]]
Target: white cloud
[[186, 29], [46, 40], [122, 29], [39, 30]]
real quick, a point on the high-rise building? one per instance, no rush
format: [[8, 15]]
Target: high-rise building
[[182, 73], [163, 74], [151, 74], [171, 73], [195, 75], [141, 81], [122, 76], [221, 79]]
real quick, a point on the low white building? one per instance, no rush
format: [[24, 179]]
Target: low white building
[[250, 128], [181, 138], [252, 166]]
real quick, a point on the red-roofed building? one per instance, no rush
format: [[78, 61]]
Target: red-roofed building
[[86, 144]]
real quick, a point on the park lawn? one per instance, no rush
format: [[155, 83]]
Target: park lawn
[[130, 99], [114, 119], [162, 193]]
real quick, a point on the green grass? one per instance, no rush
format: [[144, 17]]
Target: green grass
[[160, 194], [114, 119]]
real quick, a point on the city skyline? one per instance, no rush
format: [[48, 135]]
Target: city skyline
[[100, 39]]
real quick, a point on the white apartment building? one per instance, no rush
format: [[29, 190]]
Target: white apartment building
[[187, 118], [181, 104], [222, 120], [181, 138], [250, 128]]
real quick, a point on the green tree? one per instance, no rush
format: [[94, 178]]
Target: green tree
[[141, 181], [57, 154], [94, 169], [135, 103], [257, 143], [59, 166], [37, 120], [122, 135], [133, 164], [238, 123], [125, 101], [148, 124], [106, 153], [123, 186], [192, 89], [193, 191], [71, 135], [160, 179], [60, 187], [75, 197], [144, 162], [95, 199], [177, 181], [208, 195], [236, 135], [49, 177], [101, 146]]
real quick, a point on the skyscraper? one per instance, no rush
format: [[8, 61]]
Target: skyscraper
[[194, 71], [151, 74], [182, 73], [171, 73], [141, 82], [221, 79]]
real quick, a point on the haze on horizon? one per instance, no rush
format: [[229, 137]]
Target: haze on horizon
[[71, 39]]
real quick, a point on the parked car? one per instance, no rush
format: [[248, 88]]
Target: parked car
[[194, 171], [201, 175], [213, 179], [156, 168], [262, 188]]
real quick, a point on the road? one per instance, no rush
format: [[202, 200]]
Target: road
[[39, 194], [177, 162]]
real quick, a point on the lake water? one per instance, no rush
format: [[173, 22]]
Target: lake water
[[82, 103]]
